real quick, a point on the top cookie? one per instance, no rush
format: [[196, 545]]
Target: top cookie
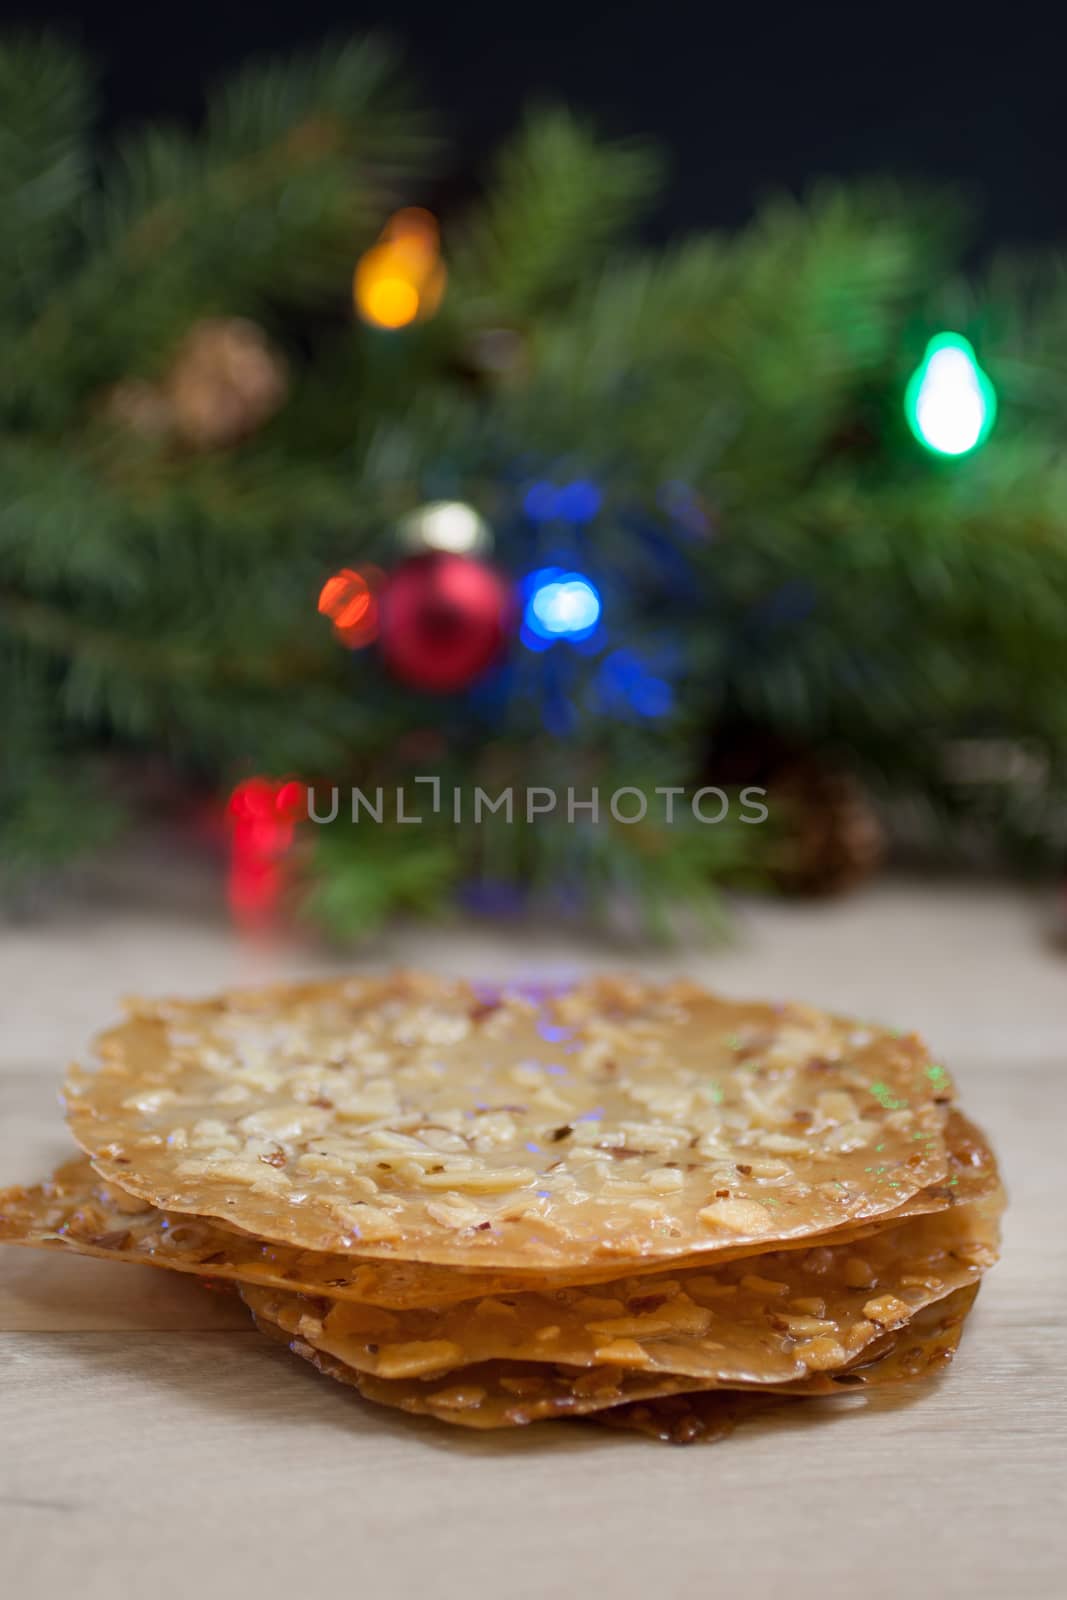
[[427, 1120]]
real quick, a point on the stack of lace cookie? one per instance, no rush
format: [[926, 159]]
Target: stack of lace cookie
[[644, 1204]]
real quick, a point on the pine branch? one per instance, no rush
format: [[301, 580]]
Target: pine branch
[[45, 108], [824, 580], [558, 205], [296, 164]]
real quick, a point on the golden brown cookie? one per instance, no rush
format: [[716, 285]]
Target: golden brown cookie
[[416, 1119]]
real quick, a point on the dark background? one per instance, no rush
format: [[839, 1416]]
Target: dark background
[[745, 98]]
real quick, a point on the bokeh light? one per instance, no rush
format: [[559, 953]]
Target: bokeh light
[[449, 525], [401, 279], [413, 225], [627, 686], [950, 403], [560, 605], [575, 502], [262, 814], [388, 301], [350, 599]]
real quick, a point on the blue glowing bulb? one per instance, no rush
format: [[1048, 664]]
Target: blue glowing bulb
[[578, 501], [560, 605], [539, 502], [575, 502]]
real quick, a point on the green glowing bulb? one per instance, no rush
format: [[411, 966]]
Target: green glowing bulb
[[950, 404]]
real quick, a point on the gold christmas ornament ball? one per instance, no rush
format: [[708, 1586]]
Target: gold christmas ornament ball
[[226, 381]]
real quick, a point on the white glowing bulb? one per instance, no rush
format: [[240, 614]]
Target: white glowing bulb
[[950, 403], [950, 409], [448, 525]]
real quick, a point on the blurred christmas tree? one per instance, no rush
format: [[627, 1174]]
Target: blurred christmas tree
[[545, 508]]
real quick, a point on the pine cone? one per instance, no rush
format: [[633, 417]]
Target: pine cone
[[226, 381], [832, 836]]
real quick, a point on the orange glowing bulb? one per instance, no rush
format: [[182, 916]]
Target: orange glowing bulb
[[413, 222], [354, 612], [351, 605], [432, 290], [388, 302], [401, 279], [338, 591]]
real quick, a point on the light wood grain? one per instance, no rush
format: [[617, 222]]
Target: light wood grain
[[151, 1444]]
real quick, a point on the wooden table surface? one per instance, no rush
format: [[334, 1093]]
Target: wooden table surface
[[151, 1444]]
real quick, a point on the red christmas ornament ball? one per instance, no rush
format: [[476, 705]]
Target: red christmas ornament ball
[[444, 620]]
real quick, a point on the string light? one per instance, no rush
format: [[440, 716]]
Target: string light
[[350, 600], [950, 403], [262, 815], [560, 605], [449, 525], [575, 502], [401, 279], [626, 686]]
